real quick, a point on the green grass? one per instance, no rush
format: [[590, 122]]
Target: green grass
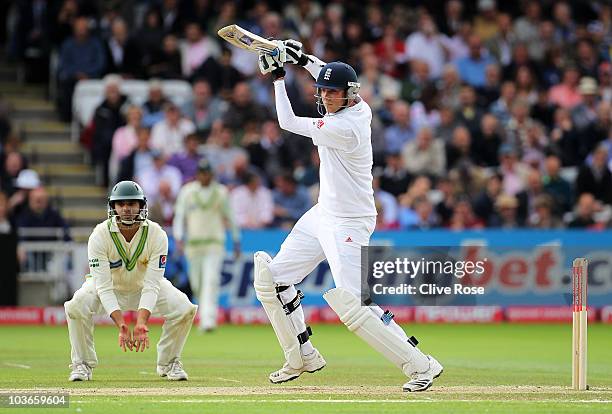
[[488, 368]]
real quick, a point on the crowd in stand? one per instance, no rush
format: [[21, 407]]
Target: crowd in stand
[[486, 114]]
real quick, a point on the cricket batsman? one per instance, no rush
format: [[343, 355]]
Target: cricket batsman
[[127, 257], [334, 229], [201, 215]]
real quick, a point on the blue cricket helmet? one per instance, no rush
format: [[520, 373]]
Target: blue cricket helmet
[[338, 76]]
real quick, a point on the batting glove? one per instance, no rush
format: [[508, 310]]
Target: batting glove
[[271, 64], [293, 52]]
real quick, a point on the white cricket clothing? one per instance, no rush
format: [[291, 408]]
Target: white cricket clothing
[[343, 140]]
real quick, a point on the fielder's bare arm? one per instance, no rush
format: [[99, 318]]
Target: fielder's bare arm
[[334, 229], [127, 258]]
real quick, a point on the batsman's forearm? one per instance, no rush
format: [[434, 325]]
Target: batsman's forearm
[[117, 317], [143, 317], [314, 65], [286, 117]]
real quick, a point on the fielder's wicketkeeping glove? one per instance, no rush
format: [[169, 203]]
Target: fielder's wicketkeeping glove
[[293, 52], [271, 64]]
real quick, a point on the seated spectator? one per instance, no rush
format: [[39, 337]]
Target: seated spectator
[[517, 128], [220, 74], [447, 125], [513, 171], [139, 160], [270, 151], [252, 203], [463, 217], [149, 37], [556, 185], [166, 62], [402, 130], [501, 107], [291, 201], [187, 160], [487, 142], [153, 108], [584, 115], [534, 188], [459, 150], [80, 57], [151, 178], [543, 110], [543, 216], [413, 86], [427, 45], [566, 94], [585, 210], [107, 118], [595, 178], [449, 88], [12, 164], [168, 135], [395, 179], [222, 154], [484, 203], [204, 109], [242, 109], [26, 181], [161, 209], [472, 68], [420, 216], [424, 155], [445, 202], [196, 49], [39, 213], [565, 140], [469, 114], [506, 213], [386, 205], [489, 92], [8, 255], [122, 53], [32, 38], [125, 140]]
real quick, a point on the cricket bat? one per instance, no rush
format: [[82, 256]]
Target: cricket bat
[[244, 39]]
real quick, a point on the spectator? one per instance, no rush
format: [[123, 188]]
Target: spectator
[[459, 149], [219, 73], [447, 124], [13, 162], [151, 179], [584, 115], [253, 204], [500, 46], [424, 155], [566, 94], [485, 21], [595, 178], [472, 67], [32, 40], [161, 209], [172, 19], [196, 49], [402, 130], [585, 210], [387, 205], [487, 142], [484, 203], [242, 109], [270, 152], [107, 118], [534, 188], [187, 160], [489, 93], [153, 108], [501, 107], [587, 60], [395, 178], [543, 111], [556, 185], [506, 213], [8, 255], [513, 171], [125, 140], [427, 45], [449, 88], [122, 53], [39, 213], [149, 37], [527, 29], [565, 140], [543, 216], [140, 159], [469, 114], [463, 217], [205, 108], [166, 61], [168, 135], [420, 216], [291, 201], [519, 124], [450, 22], [80, 57], [26, 181], [222, 154]]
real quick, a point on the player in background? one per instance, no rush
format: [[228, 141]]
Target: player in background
[[127, 257], [201, 215], [334, 229]]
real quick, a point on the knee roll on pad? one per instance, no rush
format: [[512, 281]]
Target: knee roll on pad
[[267, 293], [365, 324]]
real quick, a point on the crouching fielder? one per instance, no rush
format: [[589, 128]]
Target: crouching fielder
[[334, 229], [127, 258]]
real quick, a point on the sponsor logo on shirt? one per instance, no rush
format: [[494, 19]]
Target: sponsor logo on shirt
[[320, 123], [114, 265], [162, 261], [94, 263]]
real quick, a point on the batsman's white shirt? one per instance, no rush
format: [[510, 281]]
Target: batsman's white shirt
[[122, 267], [345, 216]]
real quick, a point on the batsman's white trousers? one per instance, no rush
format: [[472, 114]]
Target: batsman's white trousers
[[317, 236], [204, 278], [172, 305]]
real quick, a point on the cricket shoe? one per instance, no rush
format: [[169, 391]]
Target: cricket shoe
[[80, 372], [173, 371], [421, 381], [313, 362]]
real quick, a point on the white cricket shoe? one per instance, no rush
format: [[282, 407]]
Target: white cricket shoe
[[173, 371], [421, 381], [80, 372], [312, 362]]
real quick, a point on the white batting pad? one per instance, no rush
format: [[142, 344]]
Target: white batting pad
[[365, 324], [282, 325]]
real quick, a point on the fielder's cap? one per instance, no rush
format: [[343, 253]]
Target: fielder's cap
[[587, 86], [27, 180], [204, 165]]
